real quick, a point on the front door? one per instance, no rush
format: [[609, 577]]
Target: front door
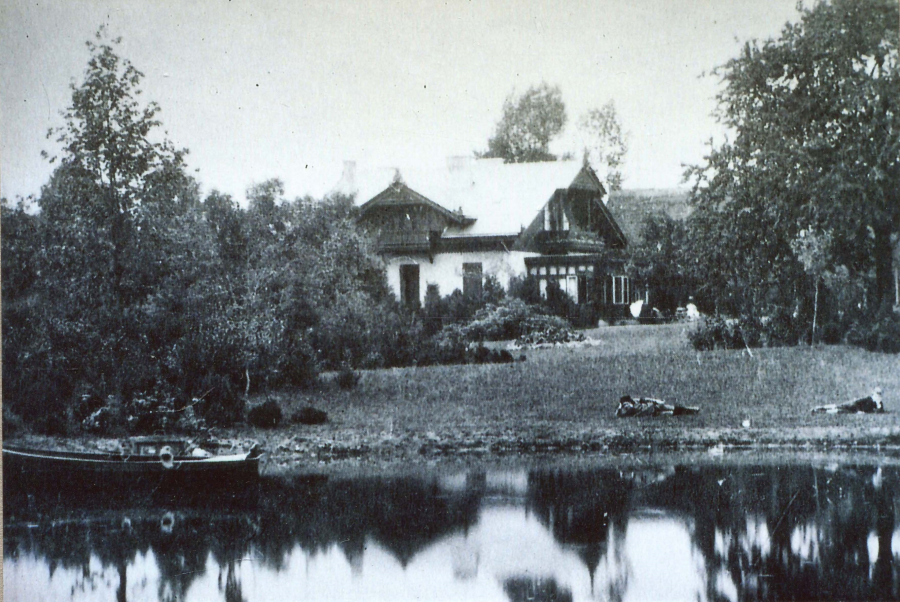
[[409, 285]]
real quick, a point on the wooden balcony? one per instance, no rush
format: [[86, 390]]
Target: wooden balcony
[[404, 242], [554, 242]]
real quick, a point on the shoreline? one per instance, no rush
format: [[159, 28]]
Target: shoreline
[[331, 449]]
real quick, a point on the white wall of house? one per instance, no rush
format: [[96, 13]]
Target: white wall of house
[[447, 269]]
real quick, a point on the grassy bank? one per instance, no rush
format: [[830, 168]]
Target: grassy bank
[[563, 399]]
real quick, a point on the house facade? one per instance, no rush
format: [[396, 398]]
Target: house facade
[[456, 224]]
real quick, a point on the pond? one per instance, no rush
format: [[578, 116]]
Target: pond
[[686, 530]]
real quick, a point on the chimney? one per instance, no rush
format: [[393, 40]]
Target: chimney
[[458, 163], [348, 178]]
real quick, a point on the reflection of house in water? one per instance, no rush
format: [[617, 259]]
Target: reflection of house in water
[[709, 533], [580, 509]]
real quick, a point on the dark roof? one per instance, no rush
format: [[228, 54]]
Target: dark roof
[[399, 193], [631, 207]]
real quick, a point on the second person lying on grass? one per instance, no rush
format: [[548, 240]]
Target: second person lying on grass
[[645, 406], [864, 405]]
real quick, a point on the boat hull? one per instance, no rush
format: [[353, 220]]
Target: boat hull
[[53, 469]]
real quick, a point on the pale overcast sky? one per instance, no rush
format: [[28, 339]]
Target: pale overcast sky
[[259, 89]]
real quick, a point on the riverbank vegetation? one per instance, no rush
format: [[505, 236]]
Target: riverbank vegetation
[[134, 303], [796, 213], [563, 399]]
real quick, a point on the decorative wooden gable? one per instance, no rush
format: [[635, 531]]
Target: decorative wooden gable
[[574, 220], [402, 220]]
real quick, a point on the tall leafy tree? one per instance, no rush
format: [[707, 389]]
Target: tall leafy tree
[[815, 122], [107, 143], [528, 124], [604, 143], [119, 246]]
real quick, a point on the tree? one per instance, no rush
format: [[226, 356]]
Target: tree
[[106, 143], [127, 264], [528, 124], [815, 118], [660, 261], [603, 143]]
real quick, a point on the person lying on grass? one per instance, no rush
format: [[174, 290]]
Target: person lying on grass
[[645, 406], [864, 405]]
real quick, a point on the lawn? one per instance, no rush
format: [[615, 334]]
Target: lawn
[[564, 399]]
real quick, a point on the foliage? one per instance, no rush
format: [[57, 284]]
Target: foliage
[[347, 378], [547, 330], [716, 332], [881, 334], [130, 289], [604, 144], [267, 415], [503, 322], [661, 260], [309, 415], [528, 124], [457, 307], [525, 288], [816, 140]]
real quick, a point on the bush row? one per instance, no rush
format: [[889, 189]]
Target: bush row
[[880, 334]]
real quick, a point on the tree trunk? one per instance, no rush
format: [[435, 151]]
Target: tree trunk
[[812, 340], [884, 272]]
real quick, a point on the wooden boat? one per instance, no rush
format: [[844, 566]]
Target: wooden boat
[[141, 459]]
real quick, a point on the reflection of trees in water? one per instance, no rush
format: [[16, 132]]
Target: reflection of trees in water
[[787, 532], [535, 589], [778, 532], [581, 509], [403, 515], [232, 588]]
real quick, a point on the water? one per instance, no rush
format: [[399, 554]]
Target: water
[[724, 531]]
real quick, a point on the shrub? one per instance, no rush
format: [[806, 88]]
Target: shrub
[[433, 310], [483, 355], [12, 423], [266, 415], [559, 303], [221, 402], [882, 334], [526, 289], [716, 332], [493, 292], [499, 322], [347, 378], [309, 415], [542, 330]]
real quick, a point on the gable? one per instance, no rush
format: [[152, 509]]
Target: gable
[[399, 201], [573, 220], [502, 198]]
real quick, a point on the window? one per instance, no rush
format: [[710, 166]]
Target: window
[[582, 289], [409, 285], [572, 280], [472, 280], [621, 290], [555, 217]]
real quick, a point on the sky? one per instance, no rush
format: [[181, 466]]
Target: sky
[[257, 89]]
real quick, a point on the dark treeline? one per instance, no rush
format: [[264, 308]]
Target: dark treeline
[[132, 303], [795, 212]]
